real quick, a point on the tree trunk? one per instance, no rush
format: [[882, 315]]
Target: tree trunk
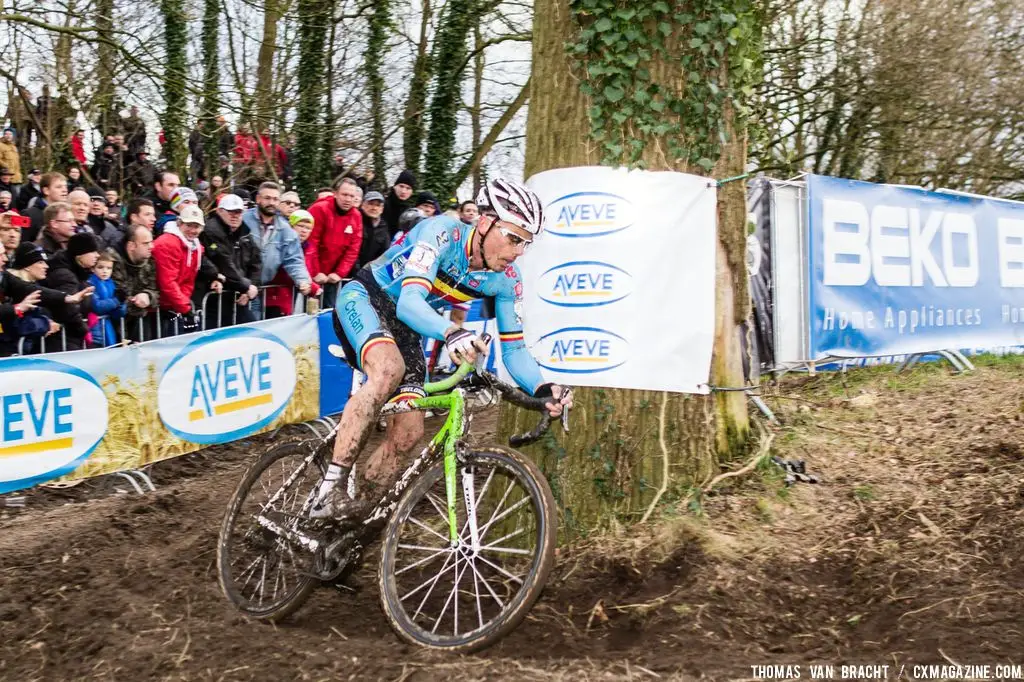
[[622, 441], [417, 99], [175, 72], [211, 75], [447, 101], [264, 96], [376, 44], [329, 136], [478, 81], [107, 119], [313, 15]]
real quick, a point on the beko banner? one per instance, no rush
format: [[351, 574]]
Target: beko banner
[[619, 289], [898, 270]]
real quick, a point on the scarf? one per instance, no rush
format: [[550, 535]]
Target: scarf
[[192, 246]]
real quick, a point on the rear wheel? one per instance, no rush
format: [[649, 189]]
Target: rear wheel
[[465, 597], [264, 575]]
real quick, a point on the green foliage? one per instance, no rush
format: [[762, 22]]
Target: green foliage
[[376, 44], [444, 107], [712, 49], [175, 70], [313, 16]]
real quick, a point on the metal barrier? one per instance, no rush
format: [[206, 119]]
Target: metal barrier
[[150, 326]]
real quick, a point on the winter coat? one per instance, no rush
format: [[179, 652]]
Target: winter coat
[[177, 264], [135, 278], [78, 149], [281, 293], [109, 233], [26, 193], [134, 134], [50, 245], [106, 301], [236, 254], [139, 176], [35, 214], [393, 209], [375, 242], [9, 158], [66, 275], [281, 250], [12, 326], [104, 171], [31, 326], [336, 237]]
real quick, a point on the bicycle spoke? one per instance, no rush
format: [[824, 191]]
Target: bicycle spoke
[[444, 568], [452, 599], [433, 584], [490, 589], [506, 550], [436, 503], [487, 484], [517, 505], [427, 528], [476, 592], [499, 569], [446, 550]]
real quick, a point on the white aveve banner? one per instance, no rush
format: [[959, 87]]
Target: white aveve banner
[[619, 289]]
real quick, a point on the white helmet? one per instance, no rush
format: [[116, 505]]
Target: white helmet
[[514, 203]]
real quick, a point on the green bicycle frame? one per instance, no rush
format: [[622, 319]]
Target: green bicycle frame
[[451, 432]]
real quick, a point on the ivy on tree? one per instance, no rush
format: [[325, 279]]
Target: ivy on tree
[[621, 42]]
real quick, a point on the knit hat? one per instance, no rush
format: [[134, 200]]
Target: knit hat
[[82, 243], [300, 215], [182, 194], [406, 177], [27, 254]]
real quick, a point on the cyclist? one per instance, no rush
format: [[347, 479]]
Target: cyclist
[[381, 315]]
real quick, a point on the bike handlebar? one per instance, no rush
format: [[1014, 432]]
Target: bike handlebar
[[520, 398]]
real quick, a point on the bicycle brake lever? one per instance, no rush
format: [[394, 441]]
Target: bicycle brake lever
[[565, 419]]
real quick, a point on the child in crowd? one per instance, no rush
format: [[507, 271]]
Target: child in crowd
[[105, 302], [281, 292]]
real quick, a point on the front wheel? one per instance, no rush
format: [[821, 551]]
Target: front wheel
[[263, 574], [466, 596]]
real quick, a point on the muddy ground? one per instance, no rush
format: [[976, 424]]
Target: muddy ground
[[909, 551]]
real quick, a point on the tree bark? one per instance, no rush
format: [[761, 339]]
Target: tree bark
[[107, 119], [175, 101], [265, 104], [313, 15], [612, 462], [416, 101], [478, 81], [380, 24], [211, 75]]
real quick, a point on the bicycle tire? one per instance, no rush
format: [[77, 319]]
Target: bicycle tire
[[536, 485], [297, 596]]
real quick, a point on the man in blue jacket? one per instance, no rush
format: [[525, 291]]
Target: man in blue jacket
[[279, 245]]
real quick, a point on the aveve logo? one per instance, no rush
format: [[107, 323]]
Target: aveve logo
[[589, 214], [582, 284], [227, 385], [53, 416], [582, 350]]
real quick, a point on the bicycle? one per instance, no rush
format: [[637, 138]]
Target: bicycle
[[493, 568]]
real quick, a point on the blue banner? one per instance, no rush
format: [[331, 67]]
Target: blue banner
[[896, 270]]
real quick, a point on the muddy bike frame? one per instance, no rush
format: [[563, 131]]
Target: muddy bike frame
[[442, 395]]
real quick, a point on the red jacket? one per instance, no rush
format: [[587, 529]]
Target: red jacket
[[281, 290], [77, 149], [246, 148], [336, 238], [176, 269]]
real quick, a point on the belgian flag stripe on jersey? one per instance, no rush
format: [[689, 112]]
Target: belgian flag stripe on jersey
[[449, 289]]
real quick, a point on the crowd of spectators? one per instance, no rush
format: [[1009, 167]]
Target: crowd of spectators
[[82, 269]]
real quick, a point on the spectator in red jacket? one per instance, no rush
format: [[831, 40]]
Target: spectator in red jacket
[[336, 238], [78, 146], [178, 255]]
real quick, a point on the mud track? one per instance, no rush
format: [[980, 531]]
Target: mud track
[[908, 552]]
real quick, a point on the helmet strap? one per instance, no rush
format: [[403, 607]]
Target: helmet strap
[[483, 238]]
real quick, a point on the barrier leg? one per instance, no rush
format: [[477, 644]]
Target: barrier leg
[[765, 410], [130, 480], [144, 477]]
